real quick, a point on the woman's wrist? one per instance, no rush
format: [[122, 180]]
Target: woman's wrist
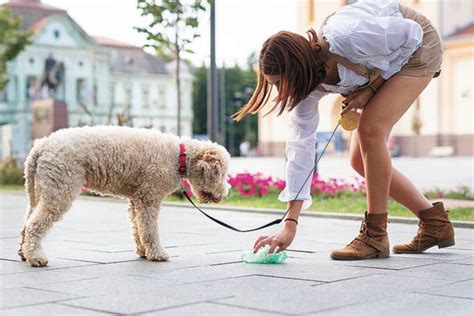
[[291, 225]]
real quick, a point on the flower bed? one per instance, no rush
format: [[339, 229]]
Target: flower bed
[[246, 185]]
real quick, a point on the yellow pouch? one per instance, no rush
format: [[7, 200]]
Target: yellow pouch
[[350, 120]]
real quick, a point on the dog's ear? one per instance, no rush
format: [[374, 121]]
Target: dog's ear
[[209, 165]]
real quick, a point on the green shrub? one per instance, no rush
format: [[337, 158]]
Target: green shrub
[[462, 192], [10, 173]]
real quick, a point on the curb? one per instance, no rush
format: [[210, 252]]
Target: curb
[[344, 216]]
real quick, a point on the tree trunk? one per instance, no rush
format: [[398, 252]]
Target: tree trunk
[[178, 85]]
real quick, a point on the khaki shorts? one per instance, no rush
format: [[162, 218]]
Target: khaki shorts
[[426, 60]]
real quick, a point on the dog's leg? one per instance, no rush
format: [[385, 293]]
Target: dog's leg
[[132, 209], [147, 221], [29, 211], [53, 203], [38, 224]]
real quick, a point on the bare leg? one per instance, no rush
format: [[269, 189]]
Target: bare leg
[[140, 250], [381, 113], [402, 189], [146, 218]]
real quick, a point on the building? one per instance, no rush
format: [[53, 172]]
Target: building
[[100, 79], [441, 120]]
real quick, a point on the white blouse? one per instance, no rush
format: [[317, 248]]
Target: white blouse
[[368, 32]]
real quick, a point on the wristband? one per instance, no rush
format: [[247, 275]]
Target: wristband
[[373, 88], [291, 220]]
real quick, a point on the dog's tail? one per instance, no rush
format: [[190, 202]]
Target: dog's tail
[[30, 172]]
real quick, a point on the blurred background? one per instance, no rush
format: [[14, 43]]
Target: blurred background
[[67, 63]]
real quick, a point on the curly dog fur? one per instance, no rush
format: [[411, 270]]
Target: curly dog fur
[[138, 164]]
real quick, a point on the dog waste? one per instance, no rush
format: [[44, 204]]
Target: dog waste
[[349, 121], [263, 257]]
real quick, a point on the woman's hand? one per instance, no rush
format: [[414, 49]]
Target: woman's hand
[[281, 240], [357, 100]]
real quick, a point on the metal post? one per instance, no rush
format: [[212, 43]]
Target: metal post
[[212, 95], [222, 107]]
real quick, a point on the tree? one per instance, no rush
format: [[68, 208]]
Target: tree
[[12, 41], [170, 31], [200, 100], [239, 83]]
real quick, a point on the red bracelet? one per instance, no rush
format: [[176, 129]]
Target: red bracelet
[[291, 220]]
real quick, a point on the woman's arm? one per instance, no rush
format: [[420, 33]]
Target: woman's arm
[[360, 98], [300, 152]]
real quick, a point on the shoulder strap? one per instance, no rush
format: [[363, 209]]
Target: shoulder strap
[[370, 74]]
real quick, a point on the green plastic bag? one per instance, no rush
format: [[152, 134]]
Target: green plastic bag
[[263, 257]]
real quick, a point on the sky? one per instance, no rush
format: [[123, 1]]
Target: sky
[[241, 25]]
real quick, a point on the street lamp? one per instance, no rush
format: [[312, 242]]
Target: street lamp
[[212, 92]]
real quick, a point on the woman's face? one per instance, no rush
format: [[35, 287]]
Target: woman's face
[[274, 80]]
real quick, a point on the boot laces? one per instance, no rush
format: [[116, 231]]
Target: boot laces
[[363, 234]]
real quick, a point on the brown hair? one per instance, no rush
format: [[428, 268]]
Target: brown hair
[[299, 63]]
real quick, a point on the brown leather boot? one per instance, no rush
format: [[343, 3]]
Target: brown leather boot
[[372, 241], [435, 230]]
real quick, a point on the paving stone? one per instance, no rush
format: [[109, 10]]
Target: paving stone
[[116, 285], [173, 296], [469, 261], [22, 296], [331, 295], [49, 309], [434, 253], [442, 271], [463, 289], [93, 267], [391, 263], [208, 309], [464, 245], [31, 279], [408, 304], [9, 267]]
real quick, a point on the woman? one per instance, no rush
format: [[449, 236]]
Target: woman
[[381, 56]]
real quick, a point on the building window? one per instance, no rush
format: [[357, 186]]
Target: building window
[[145, 98], [3, 96], [81, 63], [81, 91], [128, 99], [57, 34], [161, 97], [31, 60], [94, 95], [31, 88]]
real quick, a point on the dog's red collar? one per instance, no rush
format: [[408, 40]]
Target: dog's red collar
[[182, 160]]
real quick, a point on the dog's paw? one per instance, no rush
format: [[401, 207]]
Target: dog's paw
[[20, 253], [36, 258], [140, 252], [38, 262], [156, 255]]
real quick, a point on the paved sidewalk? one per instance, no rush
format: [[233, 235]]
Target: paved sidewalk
[[93, 269]]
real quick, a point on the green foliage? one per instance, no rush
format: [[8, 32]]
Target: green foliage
[[171, 24], [237, 80], [12, 41], [10, 173], [170, 30], [352, 203], [460, 193], [200, 100]]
